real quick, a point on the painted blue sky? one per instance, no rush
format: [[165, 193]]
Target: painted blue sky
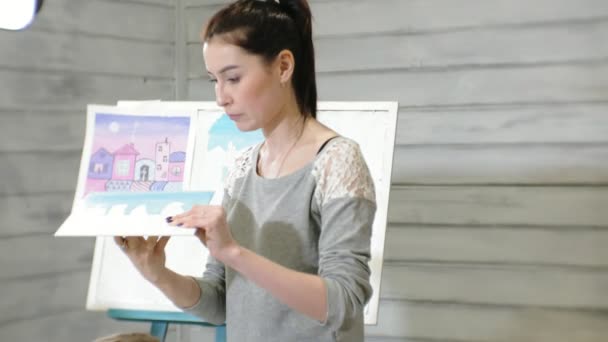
[[224, 130]]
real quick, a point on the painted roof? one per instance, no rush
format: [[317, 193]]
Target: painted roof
[[128, 149], [177, 157], [102, 153]]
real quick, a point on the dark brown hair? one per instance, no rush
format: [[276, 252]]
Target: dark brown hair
[[267, 27]]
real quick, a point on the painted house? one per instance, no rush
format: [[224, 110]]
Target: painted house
[[124, 162], [100, 166], [177, 160], [144, 170], [100, 171], [161, 172]]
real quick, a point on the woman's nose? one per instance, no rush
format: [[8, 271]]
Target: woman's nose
[[221, 98]]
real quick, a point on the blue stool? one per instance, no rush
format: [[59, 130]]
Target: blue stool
[[161, 319]]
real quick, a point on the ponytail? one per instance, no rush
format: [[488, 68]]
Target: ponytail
[[266, 28], [304, 78]]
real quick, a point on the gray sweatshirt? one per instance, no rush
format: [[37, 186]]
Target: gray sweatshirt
[[316, 220]]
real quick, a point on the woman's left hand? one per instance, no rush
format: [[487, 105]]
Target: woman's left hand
[[211, 228]]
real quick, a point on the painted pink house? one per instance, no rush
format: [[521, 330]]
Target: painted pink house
[[124, 163], [177, 161], [161, 172]]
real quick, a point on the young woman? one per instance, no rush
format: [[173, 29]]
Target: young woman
[[290, 245]]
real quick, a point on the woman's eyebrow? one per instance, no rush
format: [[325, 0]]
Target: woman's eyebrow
[[224, 69]]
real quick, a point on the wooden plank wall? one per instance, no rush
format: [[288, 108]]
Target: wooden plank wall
[[77, 52], [498, 222]]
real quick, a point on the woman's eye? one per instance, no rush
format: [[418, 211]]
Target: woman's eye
[[212, 80], [234, 79]]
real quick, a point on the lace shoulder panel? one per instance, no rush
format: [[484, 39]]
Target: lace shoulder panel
[[242, 164], [340, 171]]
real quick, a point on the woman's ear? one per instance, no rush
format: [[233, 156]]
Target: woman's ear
[[286, 64]]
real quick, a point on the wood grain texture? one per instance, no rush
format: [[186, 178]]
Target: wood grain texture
[[39, 172], [34, 214], [523, 164], [38, 255], [503, 245], [120, 19], [586, 82], [70, 90], [369, 17], [441, 321], [505, 124], [483, 46], [39, 130], [499, 205], [69, 52], [45, 295], [496, 285]]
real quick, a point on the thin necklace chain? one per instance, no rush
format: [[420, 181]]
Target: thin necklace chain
[[290, 148]]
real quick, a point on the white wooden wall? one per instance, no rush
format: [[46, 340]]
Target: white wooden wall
[[498, 216], [77, 52], [498, 221]]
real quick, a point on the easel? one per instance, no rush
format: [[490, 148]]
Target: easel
[[161, 319]]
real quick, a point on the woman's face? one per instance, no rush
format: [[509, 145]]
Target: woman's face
[[248, 89]]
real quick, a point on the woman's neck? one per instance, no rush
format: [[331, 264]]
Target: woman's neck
[[283, 132]]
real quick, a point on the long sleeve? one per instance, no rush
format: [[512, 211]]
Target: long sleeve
[[346, 204], [212, 304]]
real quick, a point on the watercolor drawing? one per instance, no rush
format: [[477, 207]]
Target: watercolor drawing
[[130, 213], [218, 143], [136, 153], [226, 141], [151, 203]]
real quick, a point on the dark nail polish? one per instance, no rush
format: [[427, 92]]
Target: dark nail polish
[[180, 224], [169, 219]]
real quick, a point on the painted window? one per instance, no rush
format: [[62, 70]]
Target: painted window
[[99, 168], [122, 168], [144, 172]]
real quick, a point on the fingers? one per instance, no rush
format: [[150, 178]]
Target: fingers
[[162, 242], [135, 242], [190, 219], [202, 235], [151, 241], [119, 240], [180, 217]]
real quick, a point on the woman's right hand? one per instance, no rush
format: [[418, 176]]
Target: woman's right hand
[[147, 255]]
